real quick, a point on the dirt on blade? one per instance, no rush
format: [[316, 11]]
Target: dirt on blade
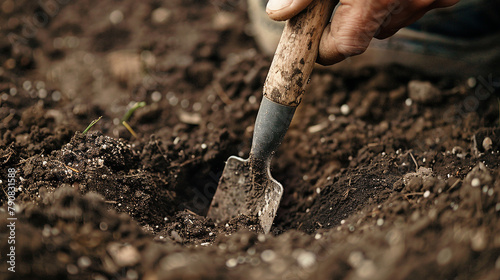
[[396, 187]]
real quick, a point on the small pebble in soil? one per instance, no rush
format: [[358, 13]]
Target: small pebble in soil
[[203, 146], [268, 255], [84, 262], [331, 117], [408, 102], [42, 93], [345, 110], [103, 226], [380, 222], [231, 263], [423, 92], [39, 84], [471, 82], [72, 269], [170, 94], [160, 15], [306, 259], [211, 98], [46, 231], [10, 63], [317, 236], [444, 256], [254, 261], [318, 190], [56, 96], [475, 183], [197, 106], [115, 17], [487, 143], [27, 85], [261, 237], [427, 193], [173, 101], [184, 103], [156, 96], [13, 91], [479, 241], [252, 99]]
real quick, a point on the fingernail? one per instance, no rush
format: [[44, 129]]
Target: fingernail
[[276, 5]]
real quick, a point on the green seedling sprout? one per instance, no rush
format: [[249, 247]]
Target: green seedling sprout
[[129, 113], [92, 123]]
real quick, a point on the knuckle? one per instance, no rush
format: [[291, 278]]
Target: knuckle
[[348, 50]]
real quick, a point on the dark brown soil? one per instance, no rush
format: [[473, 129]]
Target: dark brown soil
[[404, 186]]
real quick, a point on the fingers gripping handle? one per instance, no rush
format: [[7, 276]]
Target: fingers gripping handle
[[296, 53]]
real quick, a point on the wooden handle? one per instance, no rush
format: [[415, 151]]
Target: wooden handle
[[296, 53]]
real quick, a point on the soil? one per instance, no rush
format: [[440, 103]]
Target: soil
[[388, 173]]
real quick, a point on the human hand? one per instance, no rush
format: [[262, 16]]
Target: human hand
[[356, 22]]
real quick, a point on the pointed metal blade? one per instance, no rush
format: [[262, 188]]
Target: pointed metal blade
[[243, 189]]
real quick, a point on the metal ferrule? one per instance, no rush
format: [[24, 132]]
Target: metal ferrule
[[272, 123]]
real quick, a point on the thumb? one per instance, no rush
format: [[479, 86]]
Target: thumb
[[285, 9]]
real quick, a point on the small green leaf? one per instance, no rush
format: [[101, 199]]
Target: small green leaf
[[91, 125], [129, 113]]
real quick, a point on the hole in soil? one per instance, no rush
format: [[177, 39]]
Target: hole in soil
[[199, 184]]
